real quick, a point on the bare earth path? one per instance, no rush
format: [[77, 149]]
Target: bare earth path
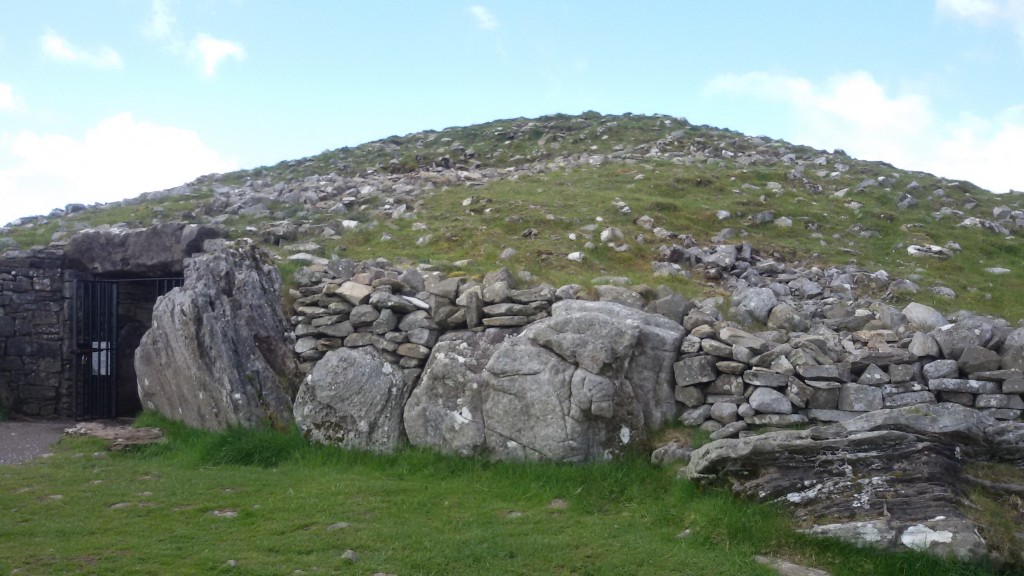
[[23, 440]]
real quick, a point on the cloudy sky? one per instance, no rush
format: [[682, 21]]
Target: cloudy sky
[[105, 99]]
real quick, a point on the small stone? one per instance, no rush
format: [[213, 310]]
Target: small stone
[[1011, 401], [1013, 386], [909, 399], [770, 401], [828, 372], [941, 369], [964, 385], [761, 377], [726, 384], [711, 426], [691, 396], [695, 416], [413, 351], [978, 359], [350, 555], [784, 568], [695, 370], [729, 430], [860, 398], [339, 526], [354, 292], [725, 412], [558, 504], [899, 373], [776, 420], [716, 348], [506, 321], [873, 376]]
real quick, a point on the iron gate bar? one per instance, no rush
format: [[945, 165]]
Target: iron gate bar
[[94, 327]]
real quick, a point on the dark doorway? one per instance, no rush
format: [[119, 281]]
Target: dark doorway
[[108, 319]]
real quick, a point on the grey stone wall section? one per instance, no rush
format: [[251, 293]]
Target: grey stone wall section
[[33, 372]]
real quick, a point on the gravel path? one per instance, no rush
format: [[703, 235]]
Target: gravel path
[[23, 440]]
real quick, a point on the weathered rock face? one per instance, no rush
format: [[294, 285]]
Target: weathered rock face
[[578, 386], [155, 251], [353, 398], [216, 355], [446, 410], [890, 478]]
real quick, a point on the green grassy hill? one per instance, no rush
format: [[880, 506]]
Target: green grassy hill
[[544, 187]]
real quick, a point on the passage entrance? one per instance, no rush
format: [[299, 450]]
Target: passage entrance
[[108, 318]]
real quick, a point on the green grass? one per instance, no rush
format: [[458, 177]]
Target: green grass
[[155, 511], [683, 199]]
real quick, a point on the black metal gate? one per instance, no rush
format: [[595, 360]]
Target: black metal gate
[[94, 335]]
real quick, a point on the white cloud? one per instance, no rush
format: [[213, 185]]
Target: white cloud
[[58, 48], [971, 9], [987, 12], [118, 158], [212, 51], [854, 112], [485, 19], [161, 20], [161, 23], [6, 97]]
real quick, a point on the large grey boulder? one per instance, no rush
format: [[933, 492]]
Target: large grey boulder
[[353, 398], [646, 364], [580, 385], [889, 478], [216, 354], [155, 251], [445, 411]]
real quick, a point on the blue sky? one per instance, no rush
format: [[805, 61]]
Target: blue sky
[[105, 99]]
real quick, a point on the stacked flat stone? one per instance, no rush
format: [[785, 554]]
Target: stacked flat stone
[[728, 378], [403, 312], [32, 332]]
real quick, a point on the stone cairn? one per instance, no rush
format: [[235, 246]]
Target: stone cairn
[[824, 355]]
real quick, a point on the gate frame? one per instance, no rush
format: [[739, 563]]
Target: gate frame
[[94, 326]]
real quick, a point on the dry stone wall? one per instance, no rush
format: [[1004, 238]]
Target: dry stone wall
[[824, 356], [32, 333]]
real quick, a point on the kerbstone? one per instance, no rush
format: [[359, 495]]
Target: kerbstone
[[860, 398]]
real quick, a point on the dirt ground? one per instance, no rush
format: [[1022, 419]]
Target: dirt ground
[[23, 440]]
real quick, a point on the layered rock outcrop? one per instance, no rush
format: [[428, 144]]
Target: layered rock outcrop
[[892, 478], [217, 354]]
